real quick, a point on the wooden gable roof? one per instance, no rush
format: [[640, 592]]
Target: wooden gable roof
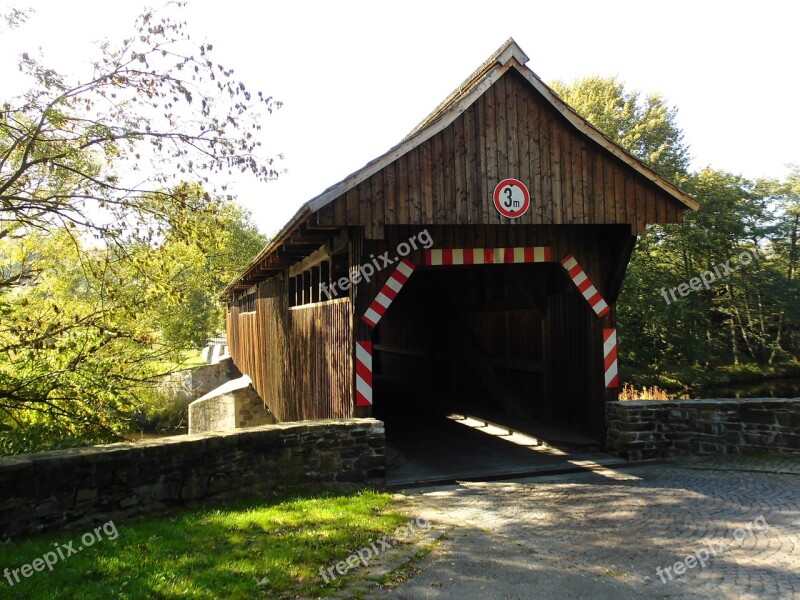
[[503, 121]]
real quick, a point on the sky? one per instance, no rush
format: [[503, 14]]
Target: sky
[[356, 77]]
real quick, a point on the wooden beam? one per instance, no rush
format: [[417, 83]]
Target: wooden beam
[[513, 364], [613, 286], [299, 247], [312, 260], [537, 297], [310, 227], [303, 239]]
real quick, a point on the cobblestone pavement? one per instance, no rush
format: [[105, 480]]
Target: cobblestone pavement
[[604, 535]]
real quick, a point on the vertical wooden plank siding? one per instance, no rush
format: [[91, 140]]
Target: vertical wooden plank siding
[[402, 187], [535, 187], [546, 173], [377, 202], [298, 358], [440, 199], [474, 183], [390, 198], [509, 131], [524, 135], [321, 363], [426, 181], [490, 142]]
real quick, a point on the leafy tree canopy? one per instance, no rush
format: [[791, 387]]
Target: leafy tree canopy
[[102, 154], [646, 126], [749, 316], [115, 242]]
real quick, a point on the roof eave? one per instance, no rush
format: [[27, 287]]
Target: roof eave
[[582, 125]]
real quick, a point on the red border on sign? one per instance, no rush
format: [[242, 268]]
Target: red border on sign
[[499, 206]]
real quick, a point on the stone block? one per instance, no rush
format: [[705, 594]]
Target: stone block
[[129, 501], [792, 441], [752, 415], [353, 476]]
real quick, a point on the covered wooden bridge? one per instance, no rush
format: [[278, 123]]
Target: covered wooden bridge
[[476, 262]]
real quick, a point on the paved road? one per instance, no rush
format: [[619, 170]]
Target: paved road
[[614, 534]]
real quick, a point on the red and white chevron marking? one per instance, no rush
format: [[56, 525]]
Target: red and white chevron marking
[[389, 292], [436, 257], [610, 357], [363, 373], [584, 285]]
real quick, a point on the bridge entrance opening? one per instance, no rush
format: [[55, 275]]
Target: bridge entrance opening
[[462, 375]]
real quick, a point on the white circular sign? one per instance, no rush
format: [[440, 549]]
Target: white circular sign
[[511, 198]]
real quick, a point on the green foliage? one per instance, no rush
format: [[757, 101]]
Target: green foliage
[[252, 549], [199, 274], [751, 315], [88, 331], [113, 252], [748, 315], [645, 126]]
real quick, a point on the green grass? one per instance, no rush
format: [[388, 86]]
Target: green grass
[[191, 358], [187, 359], [256, 549]]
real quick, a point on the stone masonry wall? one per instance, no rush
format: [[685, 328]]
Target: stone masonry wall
[[80, 486], [231, 406], [651, 429]]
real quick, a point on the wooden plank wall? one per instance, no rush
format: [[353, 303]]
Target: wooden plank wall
[[299, 359], [321, 360], [510, 131]]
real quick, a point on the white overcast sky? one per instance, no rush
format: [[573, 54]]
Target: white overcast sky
[[355, 77]]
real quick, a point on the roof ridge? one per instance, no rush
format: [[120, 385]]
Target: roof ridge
[[499, 56]]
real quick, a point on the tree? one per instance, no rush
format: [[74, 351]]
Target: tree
[[785, 197], [114, 240], [645, 126], [198, 274], [154, 97], [89, 331], [749, 316]]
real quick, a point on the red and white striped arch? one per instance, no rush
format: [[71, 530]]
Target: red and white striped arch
[[610, 357], [584, 285], [388, 292], [479, 256], [363, 373], [436, 257]]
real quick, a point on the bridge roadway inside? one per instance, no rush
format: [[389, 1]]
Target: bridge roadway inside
[[430, 446]]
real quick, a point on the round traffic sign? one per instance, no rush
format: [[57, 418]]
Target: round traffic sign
[[511, 198]]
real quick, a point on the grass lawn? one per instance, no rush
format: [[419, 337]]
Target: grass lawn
[[191, 358], [188, 359], [250, 549]]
